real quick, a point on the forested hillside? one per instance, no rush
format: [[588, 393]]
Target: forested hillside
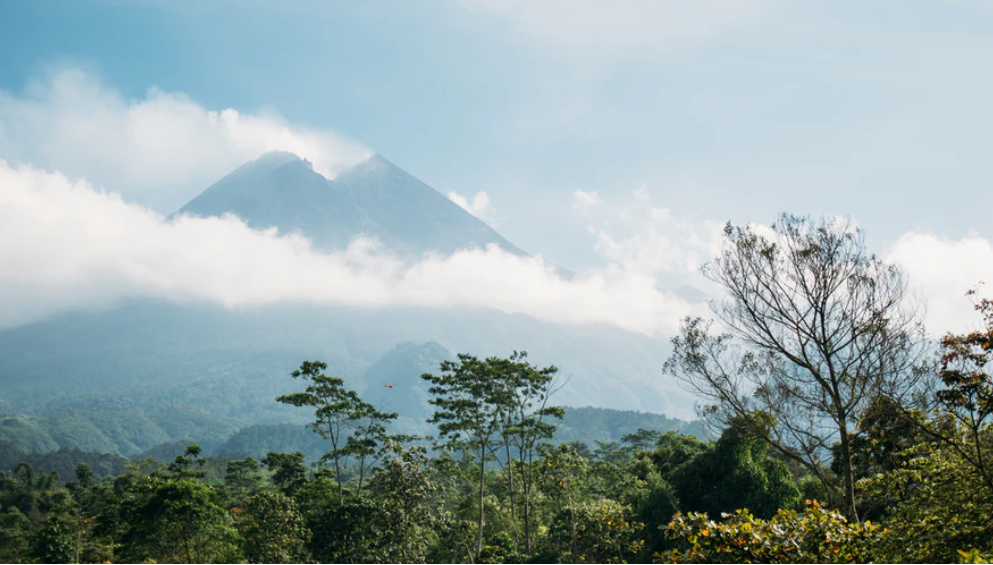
[[125, 435]]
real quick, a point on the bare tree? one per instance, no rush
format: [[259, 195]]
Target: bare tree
[[813, 327]]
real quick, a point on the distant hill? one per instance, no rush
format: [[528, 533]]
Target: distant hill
[[374, 198], [590, 424], [63, 461]]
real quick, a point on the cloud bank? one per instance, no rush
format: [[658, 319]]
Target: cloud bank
[[160, 150], [65, 245]]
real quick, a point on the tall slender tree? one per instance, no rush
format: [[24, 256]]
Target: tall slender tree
[[337, 412], [469, 407], [524, 394]]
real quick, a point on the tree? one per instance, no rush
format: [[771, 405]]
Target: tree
[[337, 410], [182, 520], [936, 504], [469, 410], [242, 478], [562, 475], [735, 472], [14, 535], [288, 471], [814, 327], [367, 442], [404, 488], [189, 464], [641, 439], [598, 531], [55, 541], [965, 396], [273, 529], [524, 392]]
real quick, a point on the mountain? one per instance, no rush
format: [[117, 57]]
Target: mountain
[[151, 373], [374, 198]]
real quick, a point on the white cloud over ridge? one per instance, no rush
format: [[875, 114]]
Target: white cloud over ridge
[[160, 150], [66, 246], [480, 205]]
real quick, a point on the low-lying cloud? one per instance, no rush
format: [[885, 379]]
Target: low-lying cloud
[[160, 150], [65, 245]]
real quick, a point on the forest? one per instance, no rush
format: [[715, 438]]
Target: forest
[[843, 432]]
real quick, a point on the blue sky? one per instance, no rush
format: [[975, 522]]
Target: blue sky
[[712, 110]]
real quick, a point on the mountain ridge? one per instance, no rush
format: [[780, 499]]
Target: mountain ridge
[[374, 198]]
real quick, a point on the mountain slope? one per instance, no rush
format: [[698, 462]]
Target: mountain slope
[[374, 198], [411, 213]]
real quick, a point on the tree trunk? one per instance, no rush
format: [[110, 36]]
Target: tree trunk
[[479, 531], [526, 459], [849, 472], [513, 516], [337, 475]]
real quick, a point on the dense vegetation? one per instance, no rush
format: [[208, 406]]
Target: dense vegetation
[[36, 439], [845, 436]]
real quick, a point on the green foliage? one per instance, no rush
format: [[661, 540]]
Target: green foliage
[[24, 435], [15, 529], [817, 535], [405, 489], [737, 472], [180, 520], [54, 542], [273, 529], [469, 402], [937, 506], [597, 531], [497, 489], [337, 412], [349, 533], [287, 469]]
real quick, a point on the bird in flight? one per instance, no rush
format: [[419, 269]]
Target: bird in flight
[[388, 386]]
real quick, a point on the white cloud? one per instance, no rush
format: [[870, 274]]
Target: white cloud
[[65, 245], [160, 150], [480, 205], [943, 270], [585, 201], [638, 235], [589, 26]]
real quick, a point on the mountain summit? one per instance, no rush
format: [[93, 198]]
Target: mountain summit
[[374, 198]]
